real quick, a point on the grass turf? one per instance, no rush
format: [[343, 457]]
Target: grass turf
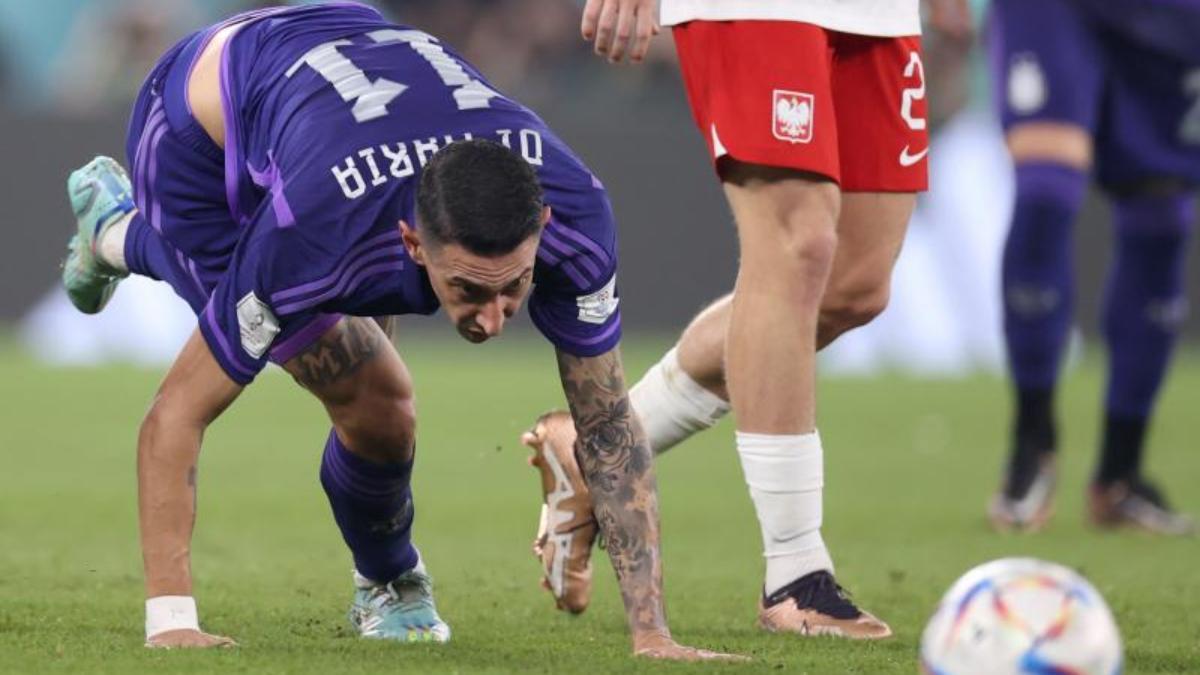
[[909, 467]]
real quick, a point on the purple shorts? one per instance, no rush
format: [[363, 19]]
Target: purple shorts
[[1060, 61]]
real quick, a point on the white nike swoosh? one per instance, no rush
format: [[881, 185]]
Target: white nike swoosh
[[907, 159]]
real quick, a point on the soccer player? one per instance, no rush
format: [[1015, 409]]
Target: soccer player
[[285, 183], [1114, 85], [814, 116]]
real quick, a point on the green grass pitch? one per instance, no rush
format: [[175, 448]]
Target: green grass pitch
[[909, 467]]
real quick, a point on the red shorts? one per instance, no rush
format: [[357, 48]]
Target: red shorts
[[795, 95]]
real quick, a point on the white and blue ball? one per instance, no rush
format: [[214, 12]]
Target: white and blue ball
[[1021, 615]]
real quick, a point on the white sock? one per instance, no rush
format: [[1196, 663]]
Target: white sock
[[110, 246], [785, 475], [672, 406]]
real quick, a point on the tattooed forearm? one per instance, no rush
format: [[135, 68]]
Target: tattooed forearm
[[338, 353], [617, 464]]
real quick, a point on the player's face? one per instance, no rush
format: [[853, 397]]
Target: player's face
[[478, 293]]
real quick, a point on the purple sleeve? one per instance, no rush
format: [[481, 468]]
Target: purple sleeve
[[575, 302], [584, 325]]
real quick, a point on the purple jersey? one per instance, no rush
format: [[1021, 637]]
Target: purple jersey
[[1169, 26], [1128, 71], [331, 112]]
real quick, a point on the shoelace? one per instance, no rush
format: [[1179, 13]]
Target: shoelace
[[819, 591], [406, 595]]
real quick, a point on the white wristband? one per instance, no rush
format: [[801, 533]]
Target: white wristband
[[170, 612]]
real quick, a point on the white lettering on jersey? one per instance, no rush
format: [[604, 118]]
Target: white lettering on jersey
[[531, 146], [376, 177], [469, 93], [371, 99], [425, 150], [401, 166], [597, 307], [257, 325], [352, 84], [353, 180], [346, 176]]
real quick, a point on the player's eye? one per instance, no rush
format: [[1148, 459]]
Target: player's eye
[[472, 293], [517, 284]]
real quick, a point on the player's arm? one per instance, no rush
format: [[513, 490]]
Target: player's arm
[[195, 391], [620, 27], [618, 466], [951, 17]]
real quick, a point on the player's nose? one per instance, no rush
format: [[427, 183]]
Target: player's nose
[[491, 317]]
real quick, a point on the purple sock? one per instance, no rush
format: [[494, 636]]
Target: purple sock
[[1037, 271], [148, 254], [1143, 309], [372, 504]]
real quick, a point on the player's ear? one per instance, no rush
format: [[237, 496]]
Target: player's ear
[[412, 243], [545, 216]]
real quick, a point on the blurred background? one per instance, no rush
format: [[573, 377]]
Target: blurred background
[[70, 68]]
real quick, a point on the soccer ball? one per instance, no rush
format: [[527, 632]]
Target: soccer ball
[[1020, 615]]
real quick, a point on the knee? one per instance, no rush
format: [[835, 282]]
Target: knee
[[846, 307], [156, 421], [809, 227], [792, 231], [382, 428], [810, 244]]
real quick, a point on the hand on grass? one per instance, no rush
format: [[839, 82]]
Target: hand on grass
[[664, 647], [186, 638]]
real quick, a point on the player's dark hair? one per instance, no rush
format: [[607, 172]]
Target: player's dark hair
[[480, 195]]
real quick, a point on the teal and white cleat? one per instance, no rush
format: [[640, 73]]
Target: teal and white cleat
[[401, 610], [100, 197]]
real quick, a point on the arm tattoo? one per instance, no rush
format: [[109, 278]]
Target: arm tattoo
[[616, 461], [338, 353]]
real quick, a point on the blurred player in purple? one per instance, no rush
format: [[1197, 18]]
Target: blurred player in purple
[[285, 183], [1111, 86]]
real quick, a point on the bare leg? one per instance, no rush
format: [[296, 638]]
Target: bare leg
[[870, 233], [871, 229], [787, 226]]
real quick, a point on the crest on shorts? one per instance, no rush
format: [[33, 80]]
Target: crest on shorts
[[792, 113], [258, 326]]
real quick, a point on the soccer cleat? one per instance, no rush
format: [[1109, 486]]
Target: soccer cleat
[[400, 610], [815, 604], [1026, 502], [1138, 504], [568, 527], [100, 196]]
